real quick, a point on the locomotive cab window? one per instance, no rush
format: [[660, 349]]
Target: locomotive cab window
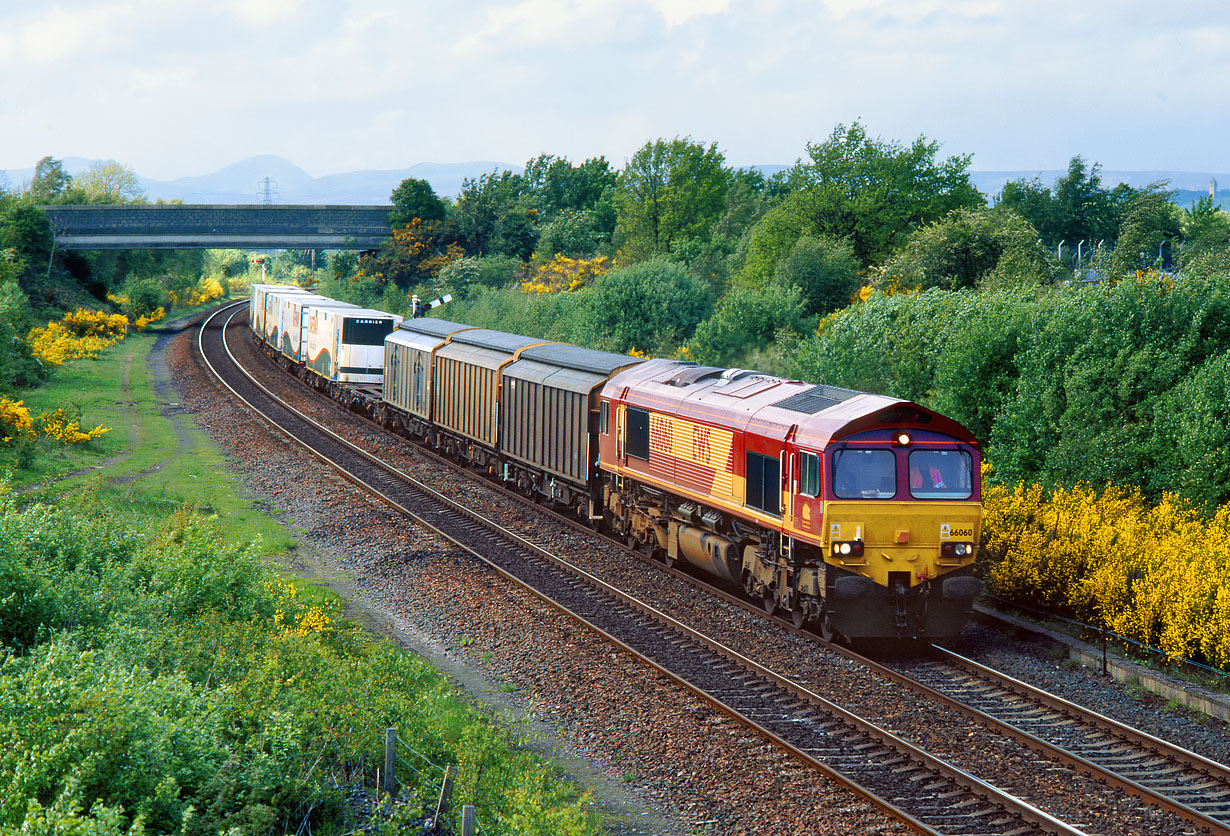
[[809, 474], [941, 474], [604, 418], [638, 434], [864, 474]]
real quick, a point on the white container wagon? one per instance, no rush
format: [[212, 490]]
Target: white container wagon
[[346, 344]]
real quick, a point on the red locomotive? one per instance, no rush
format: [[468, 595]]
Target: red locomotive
[[858, 512]]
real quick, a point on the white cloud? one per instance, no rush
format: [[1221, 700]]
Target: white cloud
[[678, 12], [262, 12], [174, 88]]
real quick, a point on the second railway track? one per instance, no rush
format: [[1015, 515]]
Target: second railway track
[[914, 786]]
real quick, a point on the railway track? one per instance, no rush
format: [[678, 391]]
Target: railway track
[[927, 794], [1194, 787]]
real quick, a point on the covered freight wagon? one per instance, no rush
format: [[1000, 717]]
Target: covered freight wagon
[[466, 391], [409, 356], [550, 419]]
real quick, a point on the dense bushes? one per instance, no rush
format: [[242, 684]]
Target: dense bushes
[[1110, 383], [155, 681]]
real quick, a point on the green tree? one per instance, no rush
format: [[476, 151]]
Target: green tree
[[490, 217], [571, 233], [652, 306], [1150, 229], [1206, 226], [824, 269], [1078, 208], [671, 190], [553, 185], [970, 247], [25, 230], [415, 198], [110, 182], [745, 323], [49, 181], [228, 264], [873, 192]]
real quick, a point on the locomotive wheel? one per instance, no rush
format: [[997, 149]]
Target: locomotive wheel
[[798, 616]]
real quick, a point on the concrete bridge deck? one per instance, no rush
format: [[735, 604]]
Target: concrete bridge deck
[[206, 226]]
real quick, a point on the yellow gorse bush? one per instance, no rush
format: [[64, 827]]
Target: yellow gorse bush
[[61, 427], [16, 422], [206, 290], [14, 419], [154, 316], [293, 617], [1156, 573], [79, 334], [561, 274]]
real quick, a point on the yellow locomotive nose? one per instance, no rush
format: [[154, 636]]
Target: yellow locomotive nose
[[925, 540]]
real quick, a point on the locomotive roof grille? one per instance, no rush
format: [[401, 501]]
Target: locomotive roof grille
[[816, 399]]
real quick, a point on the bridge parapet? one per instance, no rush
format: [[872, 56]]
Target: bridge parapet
[[210, 226]]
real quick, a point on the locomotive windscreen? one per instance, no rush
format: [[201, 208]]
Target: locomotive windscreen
[[864, 474], [941, 474]]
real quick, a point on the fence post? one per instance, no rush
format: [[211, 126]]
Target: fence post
[[446, 792], [390, 761], [468, 822], [1103, 630]]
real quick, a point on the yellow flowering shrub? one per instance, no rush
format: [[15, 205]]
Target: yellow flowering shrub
[[293, 616], [563, 274], [1156, 573], [145, 319], [14, 420], [62, 427], [79, 334], [206, 290]]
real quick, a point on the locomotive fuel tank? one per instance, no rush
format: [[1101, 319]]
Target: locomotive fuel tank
[[705, 550]]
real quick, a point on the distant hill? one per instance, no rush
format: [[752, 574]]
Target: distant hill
[[1195, 183], [244, 181]]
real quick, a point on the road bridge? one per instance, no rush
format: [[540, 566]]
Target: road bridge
[[203, 226]]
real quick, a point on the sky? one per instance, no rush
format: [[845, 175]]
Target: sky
[[177, 88]]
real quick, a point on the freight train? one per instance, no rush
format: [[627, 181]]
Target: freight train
[[853, 512]]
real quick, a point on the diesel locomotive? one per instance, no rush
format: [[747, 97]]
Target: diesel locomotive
[[856, 513]]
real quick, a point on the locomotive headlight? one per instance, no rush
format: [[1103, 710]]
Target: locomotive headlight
[[844, 548], [903, 439]]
